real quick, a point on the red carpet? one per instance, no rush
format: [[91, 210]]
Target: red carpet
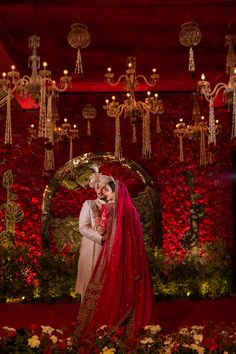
[[172, 314]]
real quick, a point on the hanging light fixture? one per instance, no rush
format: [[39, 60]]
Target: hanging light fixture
[[228, 89], [40, 87], [78, 38], [131, 107], [190, 36], [199, 131]]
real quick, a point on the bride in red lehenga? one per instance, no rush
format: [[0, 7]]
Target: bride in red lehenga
[[120, 292]]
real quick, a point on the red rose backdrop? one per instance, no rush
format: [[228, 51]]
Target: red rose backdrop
[[195, 201]]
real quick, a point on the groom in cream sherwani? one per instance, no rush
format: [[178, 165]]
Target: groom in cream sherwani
[[92, 241]]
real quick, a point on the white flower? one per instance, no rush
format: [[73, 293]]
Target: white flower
[[146, 340], [54, 339], [47, 329], [197, 327], [102, 328], [59, 331], [153, 329], [9, 329], [34, 342]]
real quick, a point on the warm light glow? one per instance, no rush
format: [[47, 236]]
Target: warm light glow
[[156, 95], [45, 64], [181, 120], [109, 69], [13, 67], [128, 94], [65, 72], [113, 98], [32, 125], [148, 93], [107, 101], [65, 120], [74, 126], [202, 117], [154, 70], [203, 77], [235, 70], [4, 75], [217, 121], [130, 65]]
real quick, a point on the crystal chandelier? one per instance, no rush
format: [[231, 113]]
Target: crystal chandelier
[[199, 132], [190, 36], [40, 87], [229, 90], [78, 38], [132, 108]]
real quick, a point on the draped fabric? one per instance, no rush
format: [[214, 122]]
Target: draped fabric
[[120, 290]]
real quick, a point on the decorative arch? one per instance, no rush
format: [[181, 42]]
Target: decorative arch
[[68, 189]]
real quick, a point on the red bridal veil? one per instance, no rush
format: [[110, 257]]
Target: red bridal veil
[[120, 290]]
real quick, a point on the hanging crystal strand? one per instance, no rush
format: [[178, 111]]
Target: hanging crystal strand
[[88, 128], [78, 65], [181, 149], [49, 153], [212, 127], [233, 133], [203, 157], [118, 148], [191, 64], [42, 113], [134, 135], [158, 126], [8, 130], [146, 150]]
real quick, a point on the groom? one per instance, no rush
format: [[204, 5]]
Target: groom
[[92, 241]]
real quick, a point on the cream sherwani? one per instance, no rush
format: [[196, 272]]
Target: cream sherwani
[[90, 246]]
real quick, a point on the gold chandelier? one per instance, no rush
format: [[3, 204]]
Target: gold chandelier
[[198, 131], [229, 90], [40, 87], [132, 108]]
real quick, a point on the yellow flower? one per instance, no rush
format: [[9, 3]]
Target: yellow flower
[[153, 329], [54, 339], [198, 338], [34, 342], [47, 329], [199, 350], [107, 350]]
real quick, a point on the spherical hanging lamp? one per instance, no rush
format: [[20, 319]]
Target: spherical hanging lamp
[[78, 38], [190, 36]]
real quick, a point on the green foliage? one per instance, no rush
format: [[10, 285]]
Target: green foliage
[[205, 272], [50, 278]]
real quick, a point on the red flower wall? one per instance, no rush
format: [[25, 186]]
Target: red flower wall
[[213, 182]]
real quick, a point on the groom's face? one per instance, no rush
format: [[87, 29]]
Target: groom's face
[[101, 190]]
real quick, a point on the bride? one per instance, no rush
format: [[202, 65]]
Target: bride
[[119, 292]]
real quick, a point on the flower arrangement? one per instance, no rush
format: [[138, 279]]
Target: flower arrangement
[[201, 339]]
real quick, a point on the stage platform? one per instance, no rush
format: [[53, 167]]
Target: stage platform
[[172, 314]]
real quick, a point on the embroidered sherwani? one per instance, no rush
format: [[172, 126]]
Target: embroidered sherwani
[[90, 246]]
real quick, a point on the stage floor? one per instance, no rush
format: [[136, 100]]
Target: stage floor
[[172, 314]]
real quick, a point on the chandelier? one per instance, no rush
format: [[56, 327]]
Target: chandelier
[[198, 131], [190, 36], [78, 38], [40, 87], [132, 108], [66, 131], [229, 89]]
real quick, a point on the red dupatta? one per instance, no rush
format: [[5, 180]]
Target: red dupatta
[[120, 290]]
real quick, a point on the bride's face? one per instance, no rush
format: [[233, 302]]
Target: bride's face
[[110, 195]]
